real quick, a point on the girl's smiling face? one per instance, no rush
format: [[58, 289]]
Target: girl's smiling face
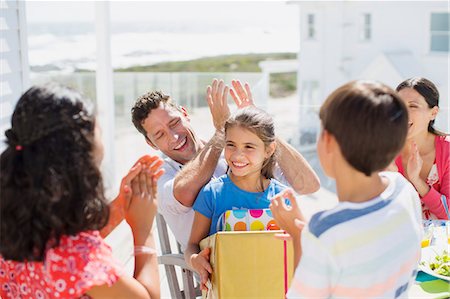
[[245, 152], [419, 113]]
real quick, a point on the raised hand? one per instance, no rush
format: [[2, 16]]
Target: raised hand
[[200, 262], [140, 195], [216, 96], [242, 97], [414, 165], [120, 204], [289, 218]]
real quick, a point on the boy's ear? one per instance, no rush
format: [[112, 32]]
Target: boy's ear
[[329, 141], [151, 144]]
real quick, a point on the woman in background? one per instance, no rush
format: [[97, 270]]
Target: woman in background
[[425, 158]]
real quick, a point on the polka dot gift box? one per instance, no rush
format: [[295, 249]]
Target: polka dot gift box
[[247, 220]]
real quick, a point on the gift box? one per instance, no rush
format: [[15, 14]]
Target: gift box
[[249, 264], [247, 220]]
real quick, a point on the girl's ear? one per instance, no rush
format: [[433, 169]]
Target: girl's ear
[[270, 149]]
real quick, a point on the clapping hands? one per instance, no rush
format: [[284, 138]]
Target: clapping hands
[[414, 164], [138, 190]]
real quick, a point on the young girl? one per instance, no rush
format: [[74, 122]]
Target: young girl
[[425, 158], [249, 152], [53, 205]]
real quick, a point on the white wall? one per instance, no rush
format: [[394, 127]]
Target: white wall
[[13, 61], [338, 55]]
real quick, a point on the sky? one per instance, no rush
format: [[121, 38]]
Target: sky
[[160, 31], [272, 12]]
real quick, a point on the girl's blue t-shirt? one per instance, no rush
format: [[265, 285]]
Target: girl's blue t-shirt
[[221, 194]]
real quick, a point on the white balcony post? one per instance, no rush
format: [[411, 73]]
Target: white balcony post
[[264, 101], [105, 92]]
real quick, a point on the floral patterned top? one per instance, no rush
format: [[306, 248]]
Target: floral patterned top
[[68, 271]]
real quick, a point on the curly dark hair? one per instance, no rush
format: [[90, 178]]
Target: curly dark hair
[[50, 184]]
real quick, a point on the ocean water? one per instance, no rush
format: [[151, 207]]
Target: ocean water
[[70, 46]]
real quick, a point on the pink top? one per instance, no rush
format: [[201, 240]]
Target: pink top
[[432, 206], [69, 270]]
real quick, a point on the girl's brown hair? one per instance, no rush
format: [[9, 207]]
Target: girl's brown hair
[[261, 124]]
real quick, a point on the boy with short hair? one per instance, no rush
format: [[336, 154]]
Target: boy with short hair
[[369, 244]]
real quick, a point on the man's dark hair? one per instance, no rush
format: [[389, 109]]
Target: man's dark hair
[[145, 104], [369, 121]]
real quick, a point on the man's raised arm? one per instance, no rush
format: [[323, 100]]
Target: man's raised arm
[[198, 172], [296, 169]]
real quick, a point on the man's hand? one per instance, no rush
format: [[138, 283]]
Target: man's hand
[[242, 97], [216, 96]]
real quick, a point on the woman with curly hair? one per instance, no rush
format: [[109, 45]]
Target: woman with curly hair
[[52, 205]]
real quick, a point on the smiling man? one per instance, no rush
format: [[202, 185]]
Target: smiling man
[[190, 163], [166, 127]]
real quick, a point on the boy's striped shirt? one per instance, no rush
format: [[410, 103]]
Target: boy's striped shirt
[[362, 250]]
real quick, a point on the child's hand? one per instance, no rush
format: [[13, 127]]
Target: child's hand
[[287, 237], [200, 262], [289, 218]]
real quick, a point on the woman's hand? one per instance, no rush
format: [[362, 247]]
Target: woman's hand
[[414, 165], [413, 168], [217, 98], [140, 195], [289, 218], [200, 262]]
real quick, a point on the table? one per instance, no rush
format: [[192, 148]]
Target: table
[[427, 286]]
